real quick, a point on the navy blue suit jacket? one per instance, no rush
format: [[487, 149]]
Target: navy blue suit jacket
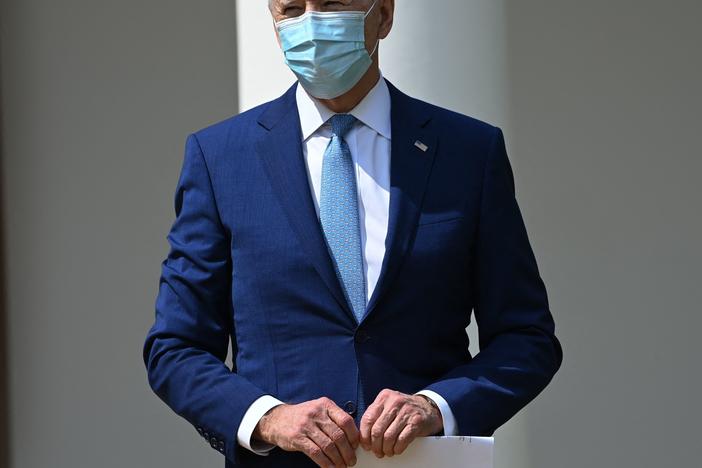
[[248, 265]]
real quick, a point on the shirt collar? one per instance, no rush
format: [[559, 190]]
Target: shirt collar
[[373, 110]]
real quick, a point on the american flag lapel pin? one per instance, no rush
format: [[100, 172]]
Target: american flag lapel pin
[[421, 146]]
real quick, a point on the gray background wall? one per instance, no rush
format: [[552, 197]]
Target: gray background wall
[[605, 102], [600, 103], [97, 100]]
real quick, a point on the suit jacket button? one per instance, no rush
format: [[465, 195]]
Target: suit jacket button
[[350, 407], [361, 336]]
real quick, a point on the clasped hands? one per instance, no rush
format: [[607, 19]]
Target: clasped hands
[[329, 436]]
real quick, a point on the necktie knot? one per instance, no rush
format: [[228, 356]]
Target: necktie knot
[[341, 124]]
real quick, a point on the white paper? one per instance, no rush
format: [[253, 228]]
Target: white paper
[[435, 452]]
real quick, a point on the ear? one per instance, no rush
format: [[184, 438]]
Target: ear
[[387, 14]]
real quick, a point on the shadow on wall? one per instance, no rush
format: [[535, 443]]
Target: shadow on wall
[[4, 424], [605, 110]]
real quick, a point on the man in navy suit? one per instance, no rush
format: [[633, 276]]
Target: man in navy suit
[[339, 238]]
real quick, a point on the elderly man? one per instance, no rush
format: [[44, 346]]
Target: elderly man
[[339, 237]]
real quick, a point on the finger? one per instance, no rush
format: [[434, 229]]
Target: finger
[[315, 453], [408, 434], [327, 445], [338, 437], [367, 421], [342, 419], [392, 432], [379, 427]]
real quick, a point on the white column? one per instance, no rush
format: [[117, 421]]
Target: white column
[[263, 74], [453, 54], [450, 52]]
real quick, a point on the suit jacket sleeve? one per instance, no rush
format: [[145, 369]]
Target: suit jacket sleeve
[[519, 351], [185, 349]]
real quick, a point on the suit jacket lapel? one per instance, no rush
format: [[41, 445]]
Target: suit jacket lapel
[[281, 153], [410, 166]]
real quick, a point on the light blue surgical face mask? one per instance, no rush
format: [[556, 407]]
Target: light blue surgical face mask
[[326, 50]]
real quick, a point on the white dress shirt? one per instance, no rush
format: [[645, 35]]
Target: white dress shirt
[[369, 143]]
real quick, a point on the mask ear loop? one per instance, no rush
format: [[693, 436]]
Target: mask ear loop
[[370, 9], [375, 49], [377, 41]]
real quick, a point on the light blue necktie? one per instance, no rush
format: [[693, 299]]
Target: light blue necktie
[[338, 213]]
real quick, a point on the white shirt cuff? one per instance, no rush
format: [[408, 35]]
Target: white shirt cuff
[[249, 422], [450, 428]]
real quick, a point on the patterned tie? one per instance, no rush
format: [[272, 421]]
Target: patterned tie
[[338, 213]]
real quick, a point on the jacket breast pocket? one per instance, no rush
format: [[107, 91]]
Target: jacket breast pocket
[[428, 219], [440, 238], [440, 252]]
